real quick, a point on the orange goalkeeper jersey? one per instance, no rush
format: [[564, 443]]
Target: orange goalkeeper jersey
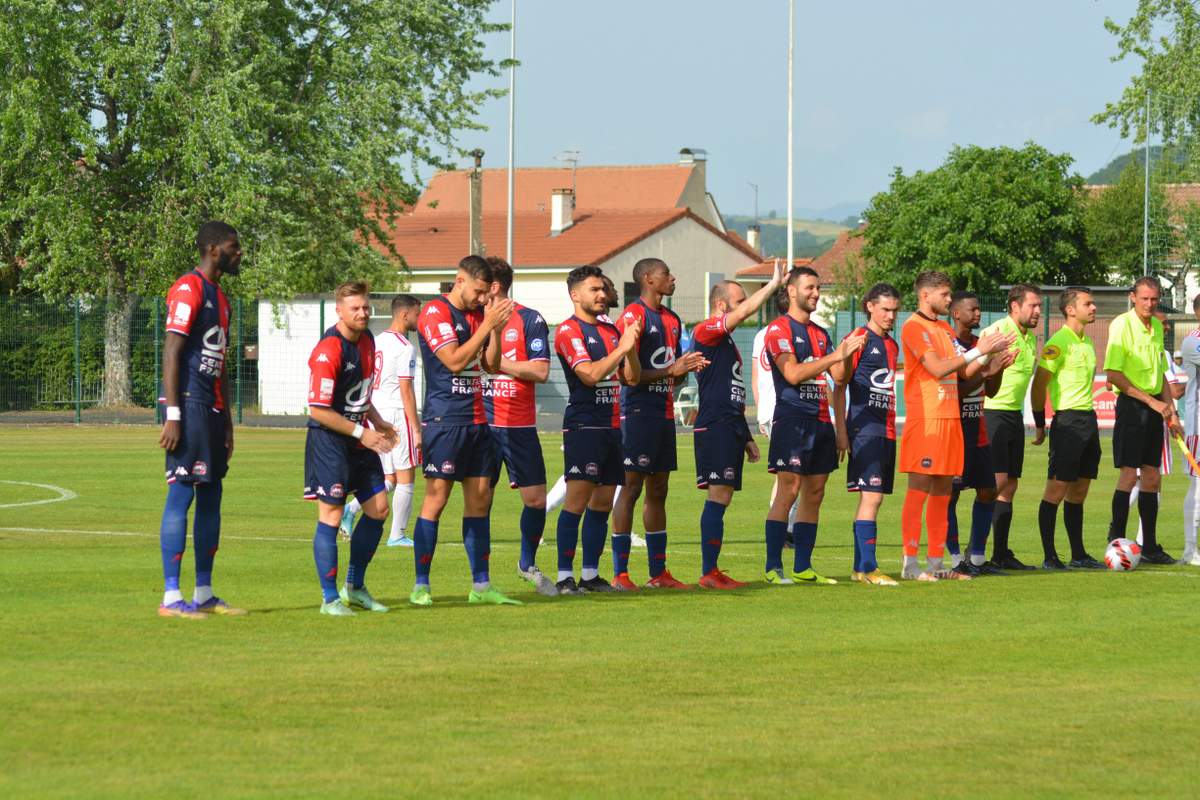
[[927, 397]]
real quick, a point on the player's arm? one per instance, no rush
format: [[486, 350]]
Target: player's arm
[[1122, 384], [1037, 401], [754, 302], [456, 357], [537, 371], [227, 411], [967, 364], [624, 355], [795, 371], [842, 433], [331, 420], [172, 353]]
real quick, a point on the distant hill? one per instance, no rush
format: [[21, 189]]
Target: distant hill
[[813, 237], [1112, 171]]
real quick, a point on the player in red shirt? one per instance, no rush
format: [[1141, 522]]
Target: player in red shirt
[[198, 433]]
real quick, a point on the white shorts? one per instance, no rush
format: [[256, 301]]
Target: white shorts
[[404, 455]]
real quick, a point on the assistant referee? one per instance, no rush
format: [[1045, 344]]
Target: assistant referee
[[1135, 362]]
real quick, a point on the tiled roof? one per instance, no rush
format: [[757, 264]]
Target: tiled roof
[[763, 269], [829, 264], [596, 188]]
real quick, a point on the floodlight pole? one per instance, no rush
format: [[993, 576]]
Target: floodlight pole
[[512, 99], [791, 47]]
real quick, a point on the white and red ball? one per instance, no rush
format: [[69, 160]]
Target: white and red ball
[[1123, 555]]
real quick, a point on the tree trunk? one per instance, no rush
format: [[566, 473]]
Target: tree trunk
[[118, 316]]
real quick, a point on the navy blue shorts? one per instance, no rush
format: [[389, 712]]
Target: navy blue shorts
[[455, 452], [872, 464], [649, 444], [200, 456], [335, 466], [977, 468], [721, 452], [593, 454], [521, 452], [803, 446]]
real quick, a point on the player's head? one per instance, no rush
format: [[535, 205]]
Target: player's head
[[1144, 296], [610, 292], [781, 299], [1077, 302], [932, 289], [725, 296], [882, 303], [653, 274], [965, 309], [803, 289], [473, 281], [405, 310], [1196, 306], [352, 301], [586, 286], [1025, 305], [502, 275], [218, 245]]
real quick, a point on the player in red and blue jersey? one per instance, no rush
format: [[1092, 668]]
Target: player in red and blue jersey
[[597, 360], [966, 314], [648, 423], [866, 425], [721, 437], [510, 401], [198, 433], [460, 339], [803, 442], [345, 436]]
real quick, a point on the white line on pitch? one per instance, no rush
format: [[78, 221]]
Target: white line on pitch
[[63, 494]]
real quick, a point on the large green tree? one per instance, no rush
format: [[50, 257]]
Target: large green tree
[[1115, 220], [987, 216], [306, 124]]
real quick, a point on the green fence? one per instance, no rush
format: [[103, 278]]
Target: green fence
[[52, 361]]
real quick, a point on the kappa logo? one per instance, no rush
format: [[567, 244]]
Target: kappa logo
[[348, 368], [861, 482], [431, 310], [183, 287], [208, 304], [430, 468], [322, 359], [573, 471], [181, 471], [779, 462], [320, 491], [592, 340], [458, 327], [628, 463], [653, 328], [712, 476], [875, 351]]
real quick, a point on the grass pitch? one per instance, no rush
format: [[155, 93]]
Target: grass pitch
[[1038, 684]]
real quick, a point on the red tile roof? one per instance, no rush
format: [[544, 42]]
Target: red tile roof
[[596, 188], [763, 269], [830, 264]]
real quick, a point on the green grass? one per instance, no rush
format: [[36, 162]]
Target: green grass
[[1076, 684]]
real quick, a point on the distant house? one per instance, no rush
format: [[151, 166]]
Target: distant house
[[610, 217]]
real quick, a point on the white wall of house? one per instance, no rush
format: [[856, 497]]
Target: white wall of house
[[287, 333]]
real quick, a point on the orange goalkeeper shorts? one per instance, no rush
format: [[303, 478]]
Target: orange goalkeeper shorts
[[932, 447]]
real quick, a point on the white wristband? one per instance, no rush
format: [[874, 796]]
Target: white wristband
[[173, 414], [358, 432], [972, 355]]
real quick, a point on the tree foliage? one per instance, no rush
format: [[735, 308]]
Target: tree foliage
[[1114, 221], [987, 216], [305, 124]]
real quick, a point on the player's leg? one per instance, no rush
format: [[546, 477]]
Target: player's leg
[[594, 525], [937, 520], [866, 568], [372, 495], [172, 537], [622, 521], [579, 493], [1053, 495], [325, 556], [533, 529], [1152, 551], [402, 503], [654, 517], [776, 526], [712, 537], [1072, 507], [477, 539], [326, 476], [915, 498], [804, 530]]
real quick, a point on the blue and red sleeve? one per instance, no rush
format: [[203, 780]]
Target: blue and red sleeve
[[324, 366]]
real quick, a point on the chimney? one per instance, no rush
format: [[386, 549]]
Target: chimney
[[696, 157], [562, 210], [475, 226], [754, 238]]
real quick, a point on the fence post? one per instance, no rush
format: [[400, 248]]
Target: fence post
[[158, 388], [78, 370], [241, 349]]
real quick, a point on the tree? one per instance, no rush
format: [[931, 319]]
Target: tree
[[305, 124], [988, 216], [1114, 222]]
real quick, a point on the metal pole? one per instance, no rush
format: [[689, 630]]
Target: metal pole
[[512, 126], [158, 382], [78, 371], [791, 47], [237, 360], [1146, 197]]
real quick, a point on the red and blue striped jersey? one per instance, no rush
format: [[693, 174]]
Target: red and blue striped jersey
[[198, 311], [508, 401], [722, 389], [807, 341], [970, 404], [871, 410], [340, 375], [450, 398], [658, 347], [577, 342]]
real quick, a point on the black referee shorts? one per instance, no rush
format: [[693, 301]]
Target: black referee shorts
[[1006, 429], [1074, 446], [1137, 435]]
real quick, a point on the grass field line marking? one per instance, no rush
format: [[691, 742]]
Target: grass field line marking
[[63, 494], [235, 537]]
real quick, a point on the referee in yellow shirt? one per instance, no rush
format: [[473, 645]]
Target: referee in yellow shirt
[[1068, 370], [1135, 363]]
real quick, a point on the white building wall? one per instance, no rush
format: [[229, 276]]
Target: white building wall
[[287, 333]]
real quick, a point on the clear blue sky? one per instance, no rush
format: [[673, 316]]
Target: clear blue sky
[[878, 85]]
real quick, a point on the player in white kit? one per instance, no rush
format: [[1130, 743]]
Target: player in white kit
[[763, 387], [1190, 350], [395, 400]]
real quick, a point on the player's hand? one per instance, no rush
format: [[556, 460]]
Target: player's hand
[[997, 362], [496, 311], [994, 341], [689, 362], [1158, 407], [850, 345], [843, 443], [169, 438], [229, 441], [1039, 436], [629, 336], [1175, 428], [388, 431], [776, 274], [376, 441], [752, 454]]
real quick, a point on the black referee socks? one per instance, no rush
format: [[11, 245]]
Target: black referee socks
[[1073, 522], [1120, 515], [1047, 516], [1148, 511], [1001, 522]]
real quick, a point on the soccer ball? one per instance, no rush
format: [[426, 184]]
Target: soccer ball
[[1123, 555]]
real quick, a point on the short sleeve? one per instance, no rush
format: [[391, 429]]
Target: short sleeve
[[711, 332], [323, 367], [537, 338], [569, 344], [915, 339], [437, 327], [406, 363], [778, 342], [1052, 357], [1115, 350], [630, 314], [183, 301], [1173, 374]]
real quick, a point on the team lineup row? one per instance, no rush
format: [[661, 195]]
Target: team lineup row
[[483, 356]]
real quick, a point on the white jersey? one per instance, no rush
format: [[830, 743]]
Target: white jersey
[[764, 382], [1190, 350], [395, 360]]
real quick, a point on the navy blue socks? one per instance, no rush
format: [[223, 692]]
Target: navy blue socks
[[326, 556], [712, 534]]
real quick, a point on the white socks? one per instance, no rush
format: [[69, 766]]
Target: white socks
[[557, 494], [402, 501], [202, 594], [172, 596], [353, 506], [587, 573]]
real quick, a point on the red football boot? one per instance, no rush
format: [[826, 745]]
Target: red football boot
[[716, 579], [622, 583], [666, 580]]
